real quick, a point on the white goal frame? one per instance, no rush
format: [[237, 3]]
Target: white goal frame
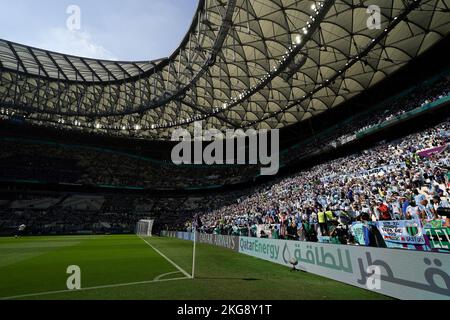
[[144, 227]]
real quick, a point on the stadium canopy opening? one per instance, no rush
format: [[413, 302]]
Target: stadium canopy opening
[[261, 64]]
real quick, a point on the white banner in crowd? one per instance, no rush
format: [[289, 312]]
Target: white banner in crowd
[[384, 169], [368, 173], [408, 231]]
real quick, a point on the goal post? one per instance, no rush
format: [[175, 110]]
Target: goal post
[[144, 227]]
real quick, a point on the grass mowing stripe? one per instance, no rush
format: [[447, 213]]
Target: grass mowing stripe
[[165, 257], [19, 251]]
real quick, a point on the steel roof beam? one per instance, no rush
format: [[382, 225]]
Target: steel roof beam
[[19, 60]]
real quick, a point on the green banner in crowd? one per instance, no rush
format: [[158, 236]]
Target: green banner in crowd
[[439, 238]]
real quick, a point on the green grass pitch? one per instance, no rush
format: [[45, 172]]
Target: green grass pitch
[[126, 267]]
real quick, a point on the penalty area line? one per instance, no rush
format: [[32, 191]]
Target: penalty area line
[[165, 257], [96, 288]]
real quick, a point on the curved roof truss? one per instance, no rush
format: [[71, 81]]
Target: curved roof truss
[[243, 64]]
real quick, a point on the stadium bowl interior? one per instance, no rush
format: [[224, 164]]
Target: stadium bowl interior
[[358, 99]]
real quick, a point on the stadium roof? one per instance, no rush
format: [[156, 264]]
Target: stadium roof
[[59, 67], [242, 64]]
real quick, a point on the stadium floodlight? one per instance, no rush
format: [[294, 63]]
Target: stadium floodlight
[[144, 227]]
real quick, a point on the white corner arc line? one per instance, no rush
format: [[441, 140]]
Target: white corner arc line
[[164, 256], [92, 288], [165, 275]]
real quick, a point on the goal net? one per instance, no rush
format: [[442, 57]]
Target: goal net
[[144, 228]]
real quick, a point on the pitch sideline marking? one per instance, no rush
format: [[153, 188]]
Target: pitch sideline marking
[[165, 257], [92, 288]]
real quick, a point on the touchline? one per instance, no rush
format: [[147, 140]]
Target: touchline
[[229, 148]]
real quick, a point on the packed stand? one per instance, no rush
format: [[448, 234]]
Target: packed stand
[[387, 182]]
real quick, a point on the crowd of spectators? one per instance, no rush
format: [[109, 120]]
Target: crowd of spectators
[[56, 163], [423, 95], [341, 133], [388, 182], [50, 162], [75, 213], [56, 213]]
